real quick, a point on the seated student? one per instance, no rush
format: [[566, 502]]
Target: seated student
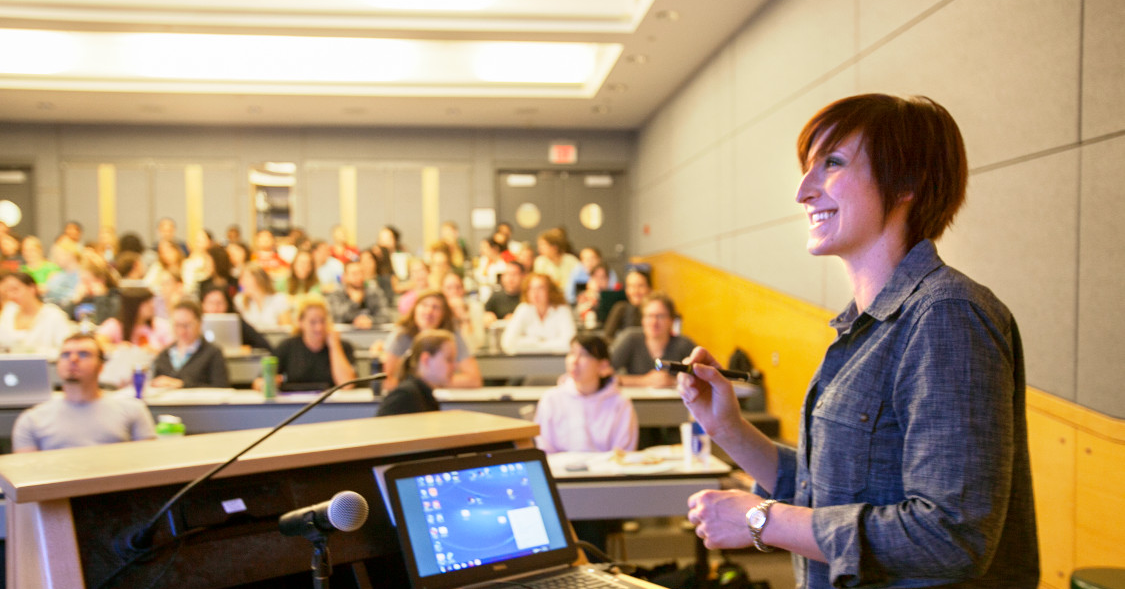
[[358, 302], [84, 416], [587, 302], [315, 354], [429, 365], [589, 258], [258, 303], [586, 412], [302, 278], [27, 324], [627, 313], [543, 322], [430, 311], [634, 353], [190, 362], [136, 323], [216, 300], [502, 303]]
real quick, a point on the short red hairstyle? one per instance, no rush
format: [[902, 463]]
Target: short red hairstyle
[[914, 147]]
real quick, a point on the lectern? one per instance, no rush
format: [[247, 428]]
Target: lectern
[[66, 507]]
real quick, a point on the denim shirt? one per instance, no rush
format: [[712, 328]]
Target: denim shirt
[[913, 441]]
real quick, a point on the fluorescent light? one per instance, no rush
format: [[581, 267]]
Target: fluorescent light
[[549, 63], [264, 58], [36, 52]]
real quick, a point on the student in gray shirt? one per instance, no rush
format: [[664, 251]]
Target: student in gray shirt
[[84, 416]]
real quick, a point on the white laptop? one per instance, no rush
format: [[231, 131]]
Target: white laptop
[[223, 330], [482, 520], [24, 380]]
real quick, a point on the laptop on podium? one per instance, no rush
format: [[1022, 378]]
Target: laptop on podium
[[484, 519]]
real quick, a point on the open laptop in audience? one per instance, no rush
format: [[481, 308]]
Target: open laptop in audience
[[25, 380], [223, 330], [482, 520]]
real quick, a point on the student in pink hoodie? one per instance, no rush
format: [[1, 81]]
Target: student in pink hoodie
[[586, 412]]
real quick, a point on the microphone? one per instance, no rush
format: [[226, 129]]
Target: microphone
[[678, 367], [345, 511], [138, 540]]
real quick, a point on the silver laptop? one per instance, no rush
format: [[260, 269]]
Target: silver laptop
[[223, 330], [24, 380], [484, 519]]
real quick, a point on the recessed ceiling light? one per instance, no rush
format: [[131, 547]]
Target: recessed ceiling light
[[668, 15], [600, 109], [637, 58]]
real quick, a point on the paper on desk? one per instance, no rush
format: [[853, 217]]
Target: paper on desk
[[650, 461]]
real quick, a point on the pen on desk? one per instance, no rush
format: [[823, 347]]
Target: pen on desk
[[677, 367]]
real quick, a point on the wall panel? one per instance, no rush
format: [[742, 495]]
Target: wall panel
[[80, 184], [1103, 68]]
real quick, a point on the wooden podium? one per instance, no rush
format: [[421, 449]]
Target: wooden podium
[[66, 507]]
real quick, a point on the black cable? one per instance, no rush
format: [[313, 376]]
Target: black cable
[[141, 540], [177, 542]]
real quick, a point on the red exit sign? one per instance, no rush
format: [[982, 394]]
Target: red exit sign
[[563, 153]]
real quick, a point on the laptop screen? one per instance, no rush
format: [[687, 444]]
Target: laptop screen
[[470, 519]]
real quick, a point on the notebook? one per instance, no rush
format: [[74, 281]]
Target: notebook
[[223, 330], [475, 520], [24, 380]]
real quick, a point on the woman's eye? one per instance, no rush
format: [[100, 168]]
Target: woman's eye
[[832, 162]]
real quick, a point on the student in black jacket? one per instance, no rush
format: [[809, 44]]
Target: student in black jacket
[[429, 364], [190, 362]]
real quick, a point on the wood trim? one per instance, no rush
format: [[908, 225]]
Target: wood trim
[[107, 196]]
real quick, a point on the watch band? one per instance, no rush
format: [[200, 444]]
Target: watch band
[[756, 532]]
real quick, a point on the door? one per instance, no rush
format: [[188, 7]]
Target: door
[[588, 204]]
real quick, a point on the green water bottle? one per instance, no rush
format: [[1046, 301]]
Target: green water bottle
[[169, 426], [269, 377]]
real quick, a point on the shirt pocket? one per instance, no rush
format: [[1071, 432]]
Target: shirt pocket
[[843, 437]]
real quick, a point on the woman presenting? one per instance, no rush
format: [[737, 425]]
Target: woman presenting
[[911, 467]]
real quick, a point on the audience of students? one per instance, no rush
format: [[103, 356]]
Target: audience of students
[[216, 300], [431, 364], [554, 260], [589, 258], [136, 323], [542, 322], [503, 301], [358, 303], [35, 263]]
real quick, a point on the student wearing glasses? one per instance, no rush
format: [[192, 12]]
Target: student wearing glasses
[[84, 415], [634, 353]]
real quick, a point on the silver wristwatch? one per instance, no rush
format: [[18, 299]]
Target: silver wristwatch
[[756, 519]]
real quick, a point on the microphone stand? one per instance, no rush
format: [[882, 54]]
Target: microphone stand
[[141, 540], [321, 563]]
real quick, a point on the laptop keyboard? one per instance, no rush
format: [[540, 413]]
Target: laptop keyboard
[[578, 579]]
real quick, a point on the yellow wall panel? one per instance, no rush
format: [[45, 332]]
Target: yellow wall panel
[[1100, 501], [1052, 446]]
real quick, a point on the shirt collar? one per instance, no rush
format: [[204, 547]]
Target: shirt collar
[[919, 262]]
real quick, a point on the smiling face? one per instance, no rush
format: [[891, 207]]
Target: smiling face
[[843, 204], [428, 313], [214, 302], [656, 321], [314, 326], [636, 288], [539, 293]]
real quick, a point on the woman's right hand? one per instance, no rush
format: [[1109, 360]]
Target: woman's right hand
[[709, 395]]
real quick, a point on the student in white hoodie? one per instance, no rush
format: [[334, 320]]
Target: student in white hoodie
[[586, 412]]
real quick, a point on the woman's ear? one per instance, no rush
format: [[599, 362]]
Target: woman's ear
[[604, 368]]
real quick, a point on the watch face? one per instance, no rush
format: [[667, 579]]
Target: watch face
[[756, 518]]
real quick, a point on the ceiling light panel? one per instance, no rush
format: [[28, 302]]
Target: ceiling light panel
[[205, 63]]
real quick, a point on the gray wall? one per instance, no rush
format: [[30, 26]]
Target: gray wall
[[150, 181], [1038, 87]]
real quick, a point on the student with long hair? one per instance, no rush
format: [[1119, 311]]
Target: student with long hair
[[315, 354], [262, 307], [430, 311], [543, 322], [136, 323], [429, 364]]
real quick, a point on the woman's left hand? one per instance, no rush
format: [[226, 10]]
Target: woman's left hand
[[720, 517]]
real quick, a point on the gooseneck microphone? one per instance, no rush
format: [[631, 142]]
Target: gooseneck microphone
[[678, 367], [345, 511], [138, 540]]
